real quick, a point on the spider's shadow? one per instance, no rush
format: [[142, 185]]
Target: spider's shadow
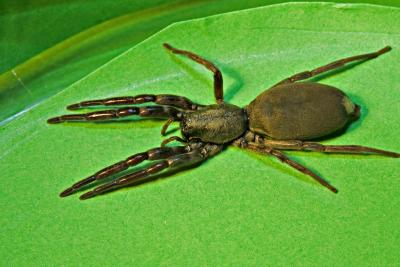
[[283, 168], [134, 122], [337, 71]]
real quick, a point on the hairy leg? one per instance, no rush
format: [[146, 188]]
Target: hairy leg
[[263, 149], [176, 161], [168, 100], [317, 147], [152, 154], [218, 80], [331, 66], [111, 114]]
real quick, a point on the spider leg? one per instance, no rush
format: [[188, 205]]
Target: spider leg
[[283, 158], [333, 65], [168, 100], [314, 146], [152, 154], [166, 125], [171, 139], [177, 161], [218, 80], [105, 115]]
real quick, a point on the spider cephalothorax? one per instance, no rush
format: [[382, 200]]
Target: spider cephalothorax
[[220, 123], [280, 118]]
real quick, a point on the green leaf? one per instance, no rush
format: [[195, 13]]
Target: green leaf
[[79, 46], [237, 208]]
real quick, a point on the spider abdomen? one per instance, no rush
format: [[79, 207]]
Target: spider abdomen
[[218, 124], [301, 111]]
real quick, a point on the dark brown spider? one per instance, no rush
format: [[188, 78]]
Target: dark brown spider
[[281, 118]]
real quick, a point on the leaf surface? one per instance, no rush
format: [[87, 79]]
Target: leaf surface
[[237, 208]]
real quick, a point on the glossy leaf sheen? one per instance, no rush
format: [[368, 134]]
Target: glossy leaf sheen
[[237, 208], [83, 45]]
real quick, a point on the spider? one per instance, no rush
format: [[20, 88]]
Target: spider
[[290, 115]]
